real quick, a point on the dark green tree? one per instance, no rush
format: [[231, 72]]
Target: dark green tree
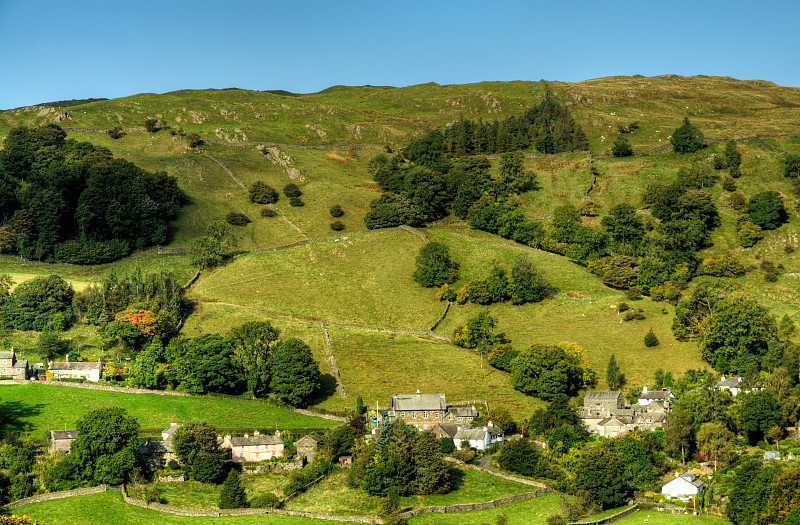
[[513, 174], [232, 495], [434, 266], [195, 439], [432, 474], [336, 211], [252, 345], [292, 190], [262, 193], [623, 225], [621, 147], [210, 249], [733, 159], [687, 138], [146, 370], [766, 210], [601, 472], [758, 413], [42, 302], [679, 436], [106, 445], [650, 339], [207, 468], [527, 284], [204, 364], [565, 224], [522, 457], [295, 374], [545, 371], [615, 379]]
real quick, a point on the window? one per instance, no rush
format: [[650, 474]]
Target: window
[[461, 419], [413, 415], [425, 415], [450, 417], [436, 414], [403, 415]]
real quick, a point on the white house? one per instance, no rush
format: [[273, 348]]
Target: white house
[[90, 371], [731, 384], [684, 487], [664, 396]]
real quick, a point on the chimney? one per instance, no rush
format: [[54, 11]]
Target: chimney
[[418, 394], [67, 358], [277, 433], [227, 437], [722, 378], [247, 435], [256, 433], [644, 390]]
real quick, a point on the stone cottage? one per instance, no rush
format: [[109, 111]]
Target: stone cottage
[[254, 448], [307, 446], [90, 371], [426, 410], [11, 366], [61, 440]]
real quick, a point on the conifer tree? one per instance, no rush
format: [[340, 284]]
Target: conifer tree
[[614, 378], [232, 495], [650, 339]]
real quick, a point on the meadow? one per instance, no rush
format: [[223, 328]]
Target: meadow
[[38, 408]]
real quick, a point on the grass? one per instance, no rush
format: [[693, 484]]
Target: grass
[[529, 512], [197, 495], [108, 507], [47, 407], [333, 496], [659, 518]]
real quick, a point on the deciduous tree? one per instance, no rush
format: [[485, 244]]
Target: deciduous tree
[[295, 373]]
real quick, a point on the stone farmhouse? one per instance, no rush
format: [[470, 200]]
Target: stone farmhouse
[[90, 371], [18, 369], [607, 413], [307, 446], [158, 453], [254, 448], [426, 410], [61, 440]]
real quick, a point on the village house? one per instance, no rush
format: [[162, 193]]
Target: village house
[[479, 438], [89, 371], [61, 440], [606, 413], [731, 384], [158, 453], [307, 446], [17, 369], [426, 410], [683, 487], [255, 447]]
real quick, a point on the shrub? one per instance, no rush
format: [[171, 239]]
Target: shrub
[[466, 455], [235, 218], [268, 212], [173, 465], [737, 201], [724, 265], [151, 125], [337, 226], [262, 193], [788, 248], [291, 190], [728, 184], [587, 208], [297, 480], [194, 140], [116, 133], [90, 252], [623, 307], [687, 138], [336, 211], [636, 314], [749, 234], [719, 163], [766, 210], [621, 147], [650, 339], [296, 202], [268, 500], [447, 445]]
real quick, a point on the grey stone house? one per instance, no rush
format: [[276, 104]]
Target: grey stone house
[[61, 440], [424, 411], [607, 414], [11, 366], [307, 446]]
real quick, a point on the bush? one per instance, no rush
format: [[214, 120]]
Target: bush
[[687, 138], [728, 184], [621, 147], [636, 314], [235, 218], [623, 307], [650, 339], [724, 265], [297, 480], [466, 455], [116, 133], [268, 212], [262, 193], [447, 445], [296, 202], [291, 190], [151, 125], [735, 172], [766, 210], [194, 140], [91, 252], [749, 234], [737, 201], [173, 465], [268, 500], [337, 226], [719, 162], [587, 208], [336, 211]]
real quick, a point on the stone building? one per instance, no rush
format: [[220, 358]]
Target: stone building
[[13, 367], [426, 410], [307, 447], [61, 440], [90, 371], [254, 448]]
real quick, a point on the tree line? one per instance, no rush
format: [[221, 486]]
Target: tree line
[[74, 202]]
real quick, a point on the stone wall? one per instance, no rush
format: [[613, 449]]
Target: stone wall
[[172, 479], [463, 507], [179, 511], [613, 517], [56, 495], [274, 467], [503, 475]]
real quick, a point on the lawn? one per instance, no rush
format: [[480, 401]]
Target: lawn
[[197, 495], [48, 407], [660, 518], [102, 509], [334, 496]]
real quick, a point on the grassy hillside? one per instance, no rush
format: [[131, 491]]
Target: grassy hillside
[[366, 280]]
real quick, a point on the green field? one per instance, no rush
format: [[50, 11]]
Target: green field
[[47, 407], [106, 508]]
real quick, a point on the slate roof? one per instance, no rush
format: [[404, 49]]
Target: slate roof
[[63, 434], [467, 434], [656, 394], [7, 354], [729, 382], [463, 411], [255, 441], [170, 430], [76, 365], [303, 440], [598, 394], [418, 402]]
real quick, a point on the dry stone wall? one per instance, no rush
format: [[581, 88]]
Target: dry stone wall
[[464, 507], [612, 518], [56, 495]]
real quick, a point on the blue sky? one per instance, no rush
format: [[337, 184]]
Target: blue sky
[[56, 50]]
